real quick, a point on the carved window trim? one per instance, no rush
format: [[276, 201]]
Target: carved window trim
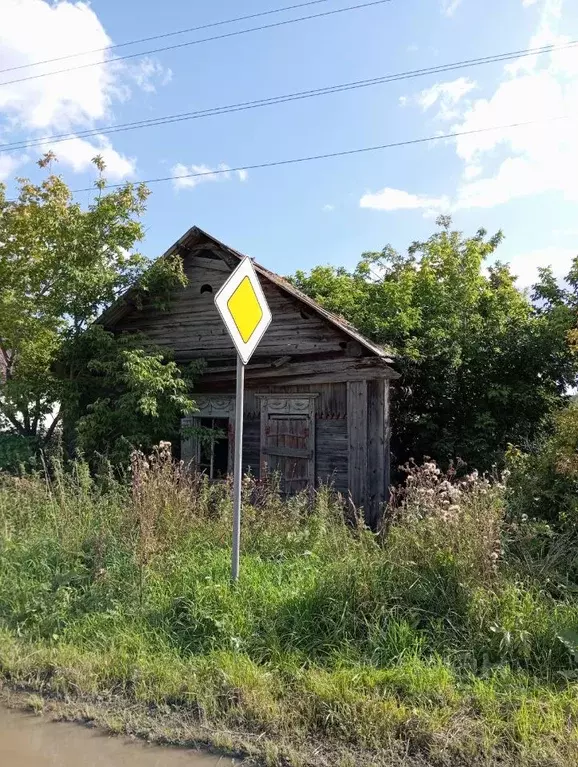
[[215, 405], [288, 404]]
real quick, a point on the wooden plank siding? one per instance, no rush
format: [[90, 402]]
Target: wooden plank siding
[[332, 453], [368, 422], [331, 402], [378, 448], [193, 329], [357, 441], [251, 445]]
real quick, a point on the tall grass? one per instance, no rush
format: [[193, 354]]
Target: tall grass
[[437, 636]]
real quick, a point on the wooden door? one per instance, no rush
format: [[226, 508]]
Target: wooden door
[[288, 442]]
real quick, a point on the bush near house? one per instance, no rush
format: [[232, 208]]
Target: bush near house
[[545, 478], [449, 638]]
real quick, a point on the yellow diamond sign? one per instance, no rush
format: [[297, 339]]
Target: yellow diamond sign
[[243, 308]]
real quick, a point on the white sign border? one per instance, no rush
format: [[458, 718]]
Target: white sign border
[[245, 269]]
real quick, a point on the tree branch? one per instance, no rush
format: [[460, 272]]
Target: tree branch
[[37, 415], [11, 417], [26, 419], [8, 360], [49, 434]]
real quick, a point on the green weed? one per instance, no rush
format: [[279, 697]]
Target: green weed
[[436, 639]]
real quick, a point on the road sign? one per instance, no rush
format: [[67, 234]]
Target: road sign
[[246, 314], [243, 308]]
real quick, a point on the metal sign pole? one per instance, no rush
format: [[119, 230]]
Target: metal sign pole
[[238, 472], [246, 314]]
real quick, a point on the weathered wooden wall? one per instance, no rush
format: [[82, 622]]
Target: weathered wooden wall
[[332, 452], [368, 445], [357, 441], [193, 328], [378, 455], [331, 459], [251, 445]]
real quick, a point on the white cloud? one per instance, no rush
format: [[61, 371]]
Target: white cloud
[[37, 30], [539, 158], [526, 264], [34, 30], [78, 154], [9, 163], [501, 165], [447, 95], [449, 7], [204, 173], [328, 208], [147, 71], [472, 171], [389, 199], [528, 3]]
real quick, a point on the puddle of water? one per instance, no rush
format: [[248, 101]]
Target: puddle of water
[[28, 741]]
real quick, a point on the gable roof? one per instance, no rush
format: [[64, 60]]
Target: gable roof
[[195, 237]]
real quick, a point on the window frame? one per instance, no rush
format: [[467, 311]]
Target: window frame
[[291, 405], [209, 407]]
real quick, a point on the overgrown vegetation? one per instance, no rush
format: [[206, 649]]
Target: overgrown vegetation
[[545, 476], [438, 641], [483, 363], [60, 266]]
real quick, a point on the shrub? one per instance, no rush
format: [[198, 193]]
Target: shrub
[[16, 453], [544, 481]]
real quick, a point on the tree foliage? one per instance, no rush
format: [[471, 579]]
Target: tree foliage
[[126, 393], [482, 362], [544, 479], [60, 266]]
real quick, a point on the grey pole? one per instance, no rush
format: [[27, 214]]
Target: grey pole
[[238, 472]]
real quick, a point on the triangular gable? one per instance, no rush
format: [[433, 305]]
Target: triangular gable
[[195, 238]]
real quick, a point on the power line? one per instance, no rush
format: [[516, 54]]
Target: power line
[[165, 35], [224, 36], [285, 98], [328, 155]]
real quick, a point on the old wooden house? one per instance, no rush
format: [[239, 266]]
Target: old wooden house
[[317, 392]]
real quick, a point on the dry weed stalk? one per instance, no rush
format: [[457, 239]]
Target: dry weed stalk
[[461, 515]]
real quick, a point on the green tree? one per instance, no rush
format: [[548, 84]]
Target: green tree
[[126, 393], [60, 266], [481, 362]]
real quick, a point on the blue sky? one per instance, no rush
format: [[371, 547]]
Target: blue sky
[[524, 181]]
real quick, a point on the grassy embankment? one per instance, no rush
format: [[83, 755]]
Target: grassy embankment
[[448, 641]]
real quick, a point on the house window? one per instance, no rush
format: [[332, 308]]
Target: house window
[[288, 440], [207, 436], [213, 452]]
